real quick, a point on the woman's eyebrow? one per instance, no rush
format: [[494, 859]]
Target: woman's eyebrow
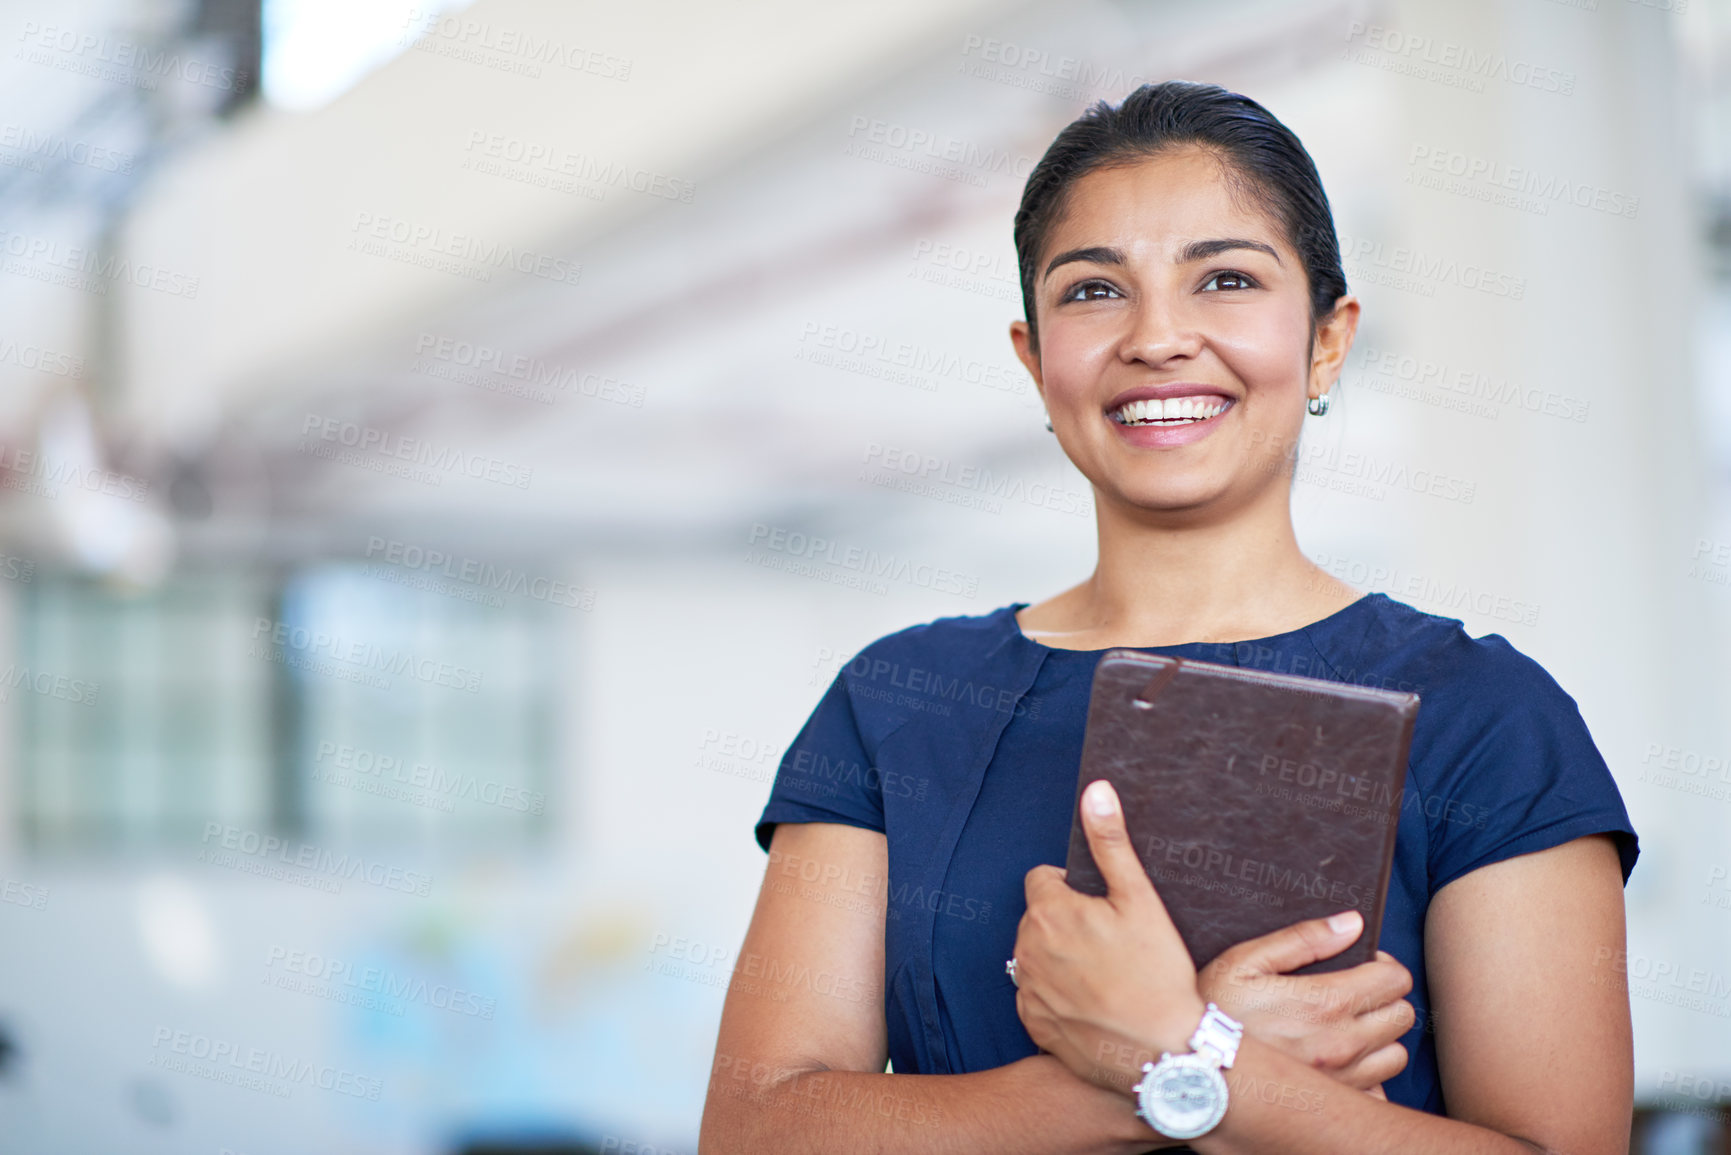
[[1202, 250], [1097, 255], [1194, 251]]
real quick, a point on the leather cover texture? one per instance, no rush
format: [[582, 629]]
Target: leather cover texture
[[1255, 800]]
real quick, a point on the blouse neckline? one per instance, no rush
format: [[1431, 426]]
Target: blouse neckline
[[1015, 629]]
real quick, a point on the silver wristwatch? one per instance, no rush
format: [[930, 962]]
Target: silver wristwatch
[[1184, 1096]]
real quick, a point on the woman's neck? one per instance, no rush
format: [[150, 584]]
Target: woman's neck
[[1158, 583]]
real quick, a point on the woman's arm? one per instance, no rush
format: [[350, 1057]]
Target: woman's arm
[[1530, 1000], [799, 1064], [800, 1058], [1532, 1024]]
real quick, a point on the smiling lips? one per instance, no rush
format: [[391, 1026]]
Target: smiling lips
[[1171, 411]]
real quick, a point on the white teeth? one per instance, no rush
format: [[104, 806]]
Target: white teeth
[[1172, 409]]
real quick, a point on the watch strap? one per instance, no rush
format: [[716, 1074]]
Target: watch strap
[[1217, 1037]]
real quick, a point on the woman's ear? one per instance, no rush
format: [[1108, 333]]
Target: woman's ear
[[1022, 337], [1333, 340]]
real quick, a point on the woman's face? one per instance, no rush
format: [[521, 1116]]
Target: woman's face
[[1174, 337]]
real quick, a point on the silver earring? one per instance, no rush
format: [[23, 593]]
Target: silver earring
[[1317, 406], [1049, 428]]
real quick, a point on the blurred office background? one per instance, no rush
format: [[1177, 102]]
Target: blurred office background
[[432, 439]]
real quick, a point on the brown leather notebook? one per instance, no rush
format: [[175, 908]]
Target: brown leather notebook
[[1255, 800]]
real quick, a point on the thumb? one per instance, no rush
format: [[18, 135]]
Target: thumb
[[1285, 950], [1109, 842]]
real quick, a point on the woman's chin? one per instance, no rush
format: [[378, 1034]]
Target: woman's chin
[[1174, 501]]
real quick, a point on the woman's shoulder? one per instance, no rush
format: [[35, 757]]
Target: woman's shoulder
[[1398, 646], [1490, 717], [1503, 760], [962, 637], [928, 671]]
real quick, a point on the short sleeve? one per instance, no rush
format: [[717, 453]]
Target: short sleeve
[[826, 775], [1515, 770]]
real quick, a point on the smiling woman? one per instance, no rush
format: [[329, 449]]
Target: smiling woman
[[1185, 308]]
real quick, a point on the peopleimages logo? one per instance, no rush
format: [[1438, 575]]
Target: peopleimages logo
[[436, 248], [495, 370], [1269, 878], [1402, 267], [507, 48], [1664, 980], [287, 638], [883, 680], [942, 479], [35, 145], [483, 575], [308, 972], [500, 155], [865, 564], [122, 61], [223, 1061], [390, 447], [1038, 70], [29, 471], [906, 362], [1450, 62], [88, 269], [23, 894], [434, 782], [1545, 187], [40, 359], [1424, 590], [1361, 474], [1470, 385], [269, 849], [49, 685], [940, 146]]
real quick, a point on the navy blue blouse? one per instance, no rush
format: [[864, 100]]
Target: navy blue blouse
[[960, 740]]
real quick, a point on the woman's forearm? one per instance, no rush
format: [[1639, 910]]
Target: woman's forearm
[[1034, 1106], [1276, 1104]]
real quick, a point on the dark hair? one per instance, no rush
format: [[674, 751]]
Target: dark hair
[[1262, 159]]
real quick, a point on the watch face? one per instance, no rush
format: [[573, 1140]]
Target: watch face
[[1183, 1096]]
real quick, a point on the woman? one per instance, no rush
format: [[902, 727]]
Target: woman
[[1185, 309]]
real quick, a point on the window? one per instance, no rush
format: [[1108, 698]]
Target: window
[[339, 707], [139, 718], [420, 715]]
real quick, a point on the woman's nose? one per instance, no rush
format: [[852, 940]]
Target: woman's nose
[[1160, 331]]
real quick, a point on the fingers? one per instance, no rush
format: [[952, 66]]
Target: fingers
[[1376, 1068], [1368, 989], [1370, 986], [1291, 947], [1381, 1026], [1103, 823], [1039, 878], [1358, 1054]]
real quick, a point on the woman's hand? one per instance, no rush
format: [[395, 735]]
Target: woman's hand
[[1105, 984], [1345, 1023], [1114, 977]]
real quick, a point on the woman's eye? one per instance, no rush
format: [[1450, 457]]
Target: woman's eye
[[1091, 291], [1229, 280]]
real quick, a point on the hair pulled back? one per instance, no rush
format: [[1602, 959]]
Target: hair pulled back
[[1263, 160]]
